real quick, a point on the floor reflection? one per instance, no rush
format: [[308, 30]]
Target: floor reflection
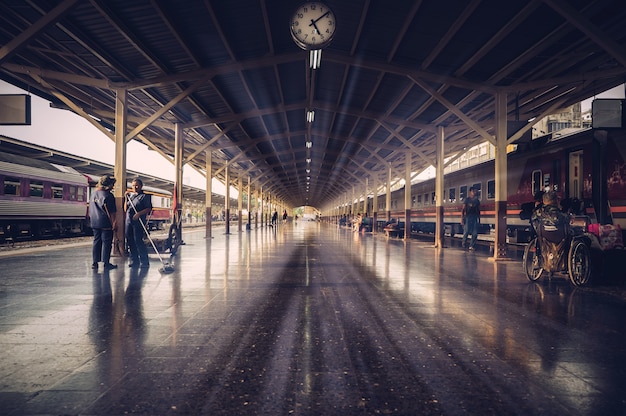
[[308, 319]]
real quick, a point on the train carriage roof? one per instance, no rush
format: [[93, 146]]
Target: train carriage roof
[[229, 74], [93, 169], [24, 167]]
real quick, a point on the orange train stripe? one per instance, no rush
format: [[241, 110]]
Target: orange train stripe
[[458, 213], [510, 212]]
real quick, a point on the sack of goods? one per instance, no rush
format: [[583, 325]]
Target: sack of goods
[[609, 235]]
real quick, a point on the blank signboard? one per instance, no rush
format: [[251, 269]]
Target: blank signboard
[[14, 109]]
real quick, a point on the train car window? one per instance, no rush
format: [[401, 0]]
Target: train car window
[[57, 191], [452, 193], [432, 199], [426, 201], [537, 182], [491, 189], [445, 195], [462, 193], [81, 194], [11, 186], [477, 190], [394, 204], [36, 189], [72, 193], [413, 201], [419, 200]]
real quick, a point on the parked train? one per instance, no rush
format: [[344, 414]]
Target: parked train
[[587, 169], [39, 199]]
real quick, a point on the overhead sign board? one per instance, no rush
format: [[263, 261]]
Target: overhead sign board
[[607, 113], [15, 109]]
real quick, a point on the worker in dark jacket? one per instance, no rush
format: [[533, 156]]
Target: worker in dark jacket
[[102, 219], [137, 205]]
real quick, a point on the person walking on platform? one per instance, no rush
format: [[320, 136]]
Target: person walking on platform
[[284, 216], [137, 205], [470, 218], [102, 211], [274, 218]]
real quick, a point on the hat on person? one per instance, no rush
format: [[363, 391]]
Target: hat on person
[[106, 182]]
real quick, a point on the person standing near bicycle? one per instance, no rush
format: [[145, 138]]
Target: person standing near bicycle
[[549, 212], [137, 205]]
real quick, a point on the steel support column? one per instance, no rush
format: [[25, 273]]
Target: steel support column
[[119, 171], [227, 200], [501, 176], [249, 203], [388, 196], [179, 145], [261, 204], [240, 204], [407, 195], [439, 219], [209, 195], [375, 206]]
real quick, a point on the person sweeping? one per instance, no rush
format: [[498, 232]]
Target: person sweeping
[[137, 205]]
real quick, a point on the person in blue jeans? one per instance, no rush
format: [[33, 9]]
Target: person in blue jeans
[[137, 205], [470, 218]]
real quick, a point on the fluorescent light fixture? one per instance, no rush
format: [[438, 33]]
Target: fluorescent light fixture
[[315, 58], [310, 116], [309, 144]]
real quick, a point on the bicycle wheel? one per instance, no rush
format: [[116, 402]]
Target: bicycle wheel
[[173, 239], [532, 262], [579, 263]]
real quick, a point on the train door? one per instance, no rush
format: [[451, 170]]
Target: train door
[[575, 180], [537, 182]]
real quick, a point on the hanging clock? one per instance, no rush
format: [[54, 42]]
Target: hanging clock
[[313, 25]]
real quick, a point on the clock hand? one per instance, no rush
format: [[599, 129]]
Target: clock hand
[[313, 22], [315, 26], [321, 17]]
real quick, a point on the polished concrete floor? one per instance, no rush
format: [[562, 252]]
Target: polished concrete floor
[[306, 319]]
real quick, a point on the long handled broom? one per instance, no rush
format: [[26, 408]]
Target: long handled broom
[[167, 267]]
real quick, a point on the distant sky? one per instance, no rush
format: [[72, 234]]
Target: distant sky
[[617, 92], [65, 131]]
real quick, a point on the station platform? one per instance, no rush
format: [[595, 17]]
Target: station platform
[[304, 319]]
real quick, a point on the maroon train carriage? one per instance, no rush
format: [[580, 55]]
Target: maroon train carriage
[[39, 199], [161, 207], [566, 164]]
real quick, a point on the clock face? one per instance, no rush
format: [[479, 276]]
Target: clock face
[[312, 25]]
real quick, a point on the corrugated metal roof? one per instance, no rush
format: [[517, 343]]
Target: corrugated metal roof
[[394, 72]]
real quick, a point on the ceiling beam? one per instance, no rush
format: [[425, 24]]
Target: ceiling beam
[[594, 33], [36, 28]]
